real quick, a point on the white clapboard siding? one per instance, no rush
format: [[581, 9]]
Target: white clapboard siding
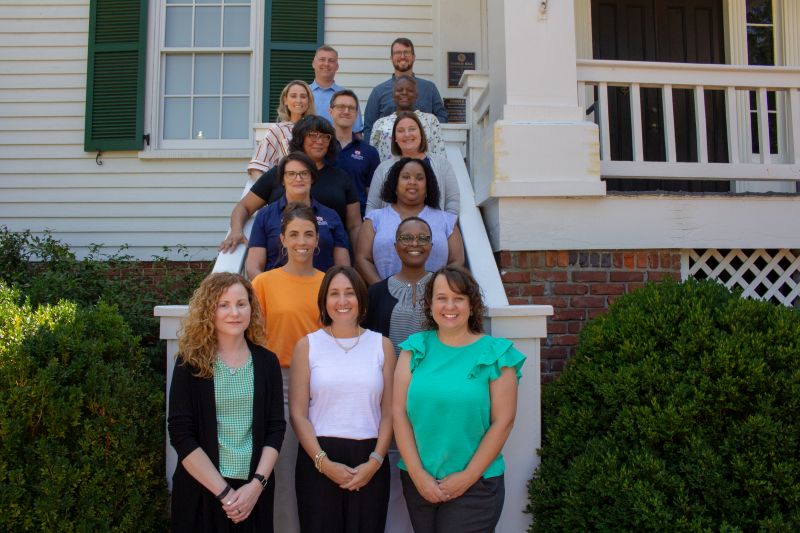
[[47, 181], [362, 31]]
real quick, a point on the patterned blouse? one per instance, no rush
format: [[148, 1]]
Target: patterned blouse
[[272, 147], [233, 395], [381, 137]]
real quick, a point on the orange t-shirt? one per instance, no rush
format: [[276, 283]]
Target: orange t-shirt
[[289, 306]]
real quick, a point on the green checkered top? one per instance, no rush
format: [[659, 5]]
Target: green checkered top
[[233, 393]]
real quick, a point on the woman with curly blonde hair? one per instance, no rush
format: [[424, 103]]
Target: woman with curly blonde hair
[[225, 412]]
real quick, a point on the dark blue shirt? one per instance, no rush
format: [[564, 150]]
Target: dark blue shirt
[[267, 229], [359, 160], [381, 103]]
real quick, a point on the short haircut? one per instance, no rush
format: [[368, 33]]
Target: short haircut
[[283, 111], [411, 219], [461, 282], [389, 189], [326, 48], [405, 42], [298, 211], [300, 157], [397, 79], [423, 139], [344, 92], [360, 288], [306, 125]]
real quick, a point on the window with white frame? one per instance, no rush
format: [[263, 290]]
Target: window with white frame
[[206, 73], [762, 50]]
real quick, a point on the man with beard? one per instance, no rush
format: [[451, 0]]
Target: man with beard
[[381, 104]]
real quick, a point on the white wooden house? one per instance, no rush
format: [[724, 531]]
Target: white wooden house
[[607, 142]]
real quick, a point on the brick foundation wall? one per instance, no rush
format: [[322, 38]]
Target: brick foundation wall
[[155, 271], [579, 285]]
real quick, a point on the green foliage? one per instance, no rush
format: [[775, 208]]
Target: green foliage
[[47, 271], [680, 412], [81, 421]]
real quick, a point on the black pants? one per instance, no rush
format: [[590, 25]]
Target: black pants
[[324, 507], [475, 511]]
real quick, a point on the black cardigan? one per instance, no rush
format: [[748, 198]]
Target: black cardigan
[[380, 307], [192, 424]]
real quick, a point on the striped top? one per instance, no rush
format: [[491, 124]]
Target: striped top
[[233, 395], [272, 147], [408, 316]]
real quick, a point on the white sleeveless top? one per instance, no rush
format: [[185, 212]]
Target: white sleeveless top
[[345, 388]]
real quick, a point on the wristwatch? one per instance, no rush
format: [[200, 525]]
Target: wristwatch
[[261, 479]]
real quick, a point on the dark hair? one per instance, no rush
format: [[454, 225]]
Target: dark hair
[[298, 211], [460, 281], [300, 157], [344, 92], [405, 42], [423, 139], [359, 287], [306, 125], [411, 219], [389, 189]]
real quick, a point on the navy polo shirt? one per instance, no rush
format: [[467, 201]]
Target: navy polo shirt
[[359, 159], [267, 229]]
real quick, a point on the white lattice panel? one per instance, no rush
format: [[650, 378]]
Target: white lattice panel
[[764, 274]]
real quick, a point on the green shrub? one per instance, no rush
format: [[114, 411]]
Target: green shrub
[[81, 421], [680, 412], [47, 271]]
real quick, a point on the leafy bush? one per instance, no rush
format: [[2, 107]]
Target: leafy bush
[[81, 421], [47, 271], [680, 412]]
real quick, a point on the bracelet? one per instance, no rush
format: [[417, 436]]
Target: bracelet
[[261, 479], [318, 460], [224, 492], [378, 457]]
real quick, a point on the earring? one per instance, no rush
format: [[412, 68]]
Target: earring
[[317, 251]]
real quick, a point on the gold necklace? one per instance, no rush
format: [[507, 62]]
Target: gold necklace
[[339, 344]]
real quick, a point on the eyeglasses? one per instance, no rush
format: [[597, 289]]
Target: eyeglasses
[[317, 136], [407, 239], [344, 107], [297, 174], [402, 53]]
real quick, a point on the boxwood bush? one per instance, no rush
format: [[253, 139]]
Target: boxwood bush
[[47, 271], [81, 421], [679, 412]]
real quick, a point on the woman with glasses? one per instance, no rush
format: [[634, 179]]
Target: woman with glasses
[[297, 173], [296, 101], [409, 190], [312, 135], [409, 140], [396, 311]]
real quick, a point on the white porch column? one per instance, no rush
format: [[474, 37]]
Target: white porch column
[[543, 146], [169, 325]]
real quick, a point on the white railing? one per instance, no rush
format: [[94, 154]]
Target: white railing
[[736, 82]]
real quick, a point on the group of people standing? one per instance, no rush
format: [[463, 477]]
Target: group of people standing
[[399, 403]]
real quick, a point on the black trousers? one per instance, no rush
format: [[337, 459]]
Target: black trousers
[[476, 511], [324, 507]]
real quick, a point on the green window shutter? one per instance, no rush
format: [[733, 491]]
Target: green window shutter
[[293, 30], [115, 75]]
